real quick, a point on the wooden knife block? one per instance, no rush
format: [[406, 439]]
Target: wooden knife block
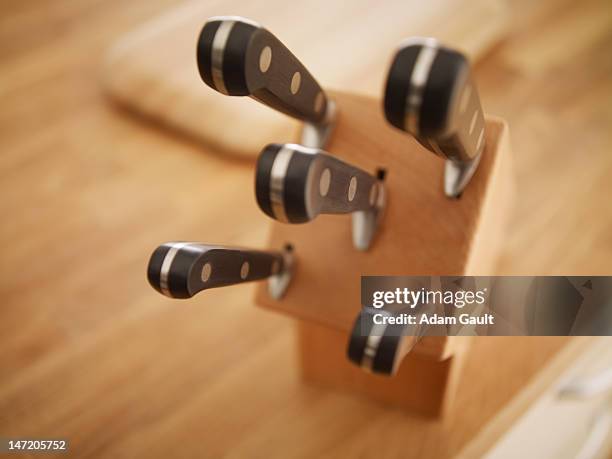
[[422, 233]]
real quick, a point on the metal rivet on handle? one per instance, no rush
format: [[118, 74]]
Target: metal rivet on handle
[[296, 80], [244, 270], [265, 59], [206, 272], [480, 137], [473, 122], [324, 182], [352, 188]]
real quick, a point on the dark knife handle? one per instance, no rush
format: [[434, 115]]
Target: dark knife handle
[[237, 57], [430, 93], [380, 348], [182, 269], [294, 184]]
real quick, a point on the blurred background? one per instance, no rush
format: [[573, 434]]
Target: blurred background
[[111, 145]]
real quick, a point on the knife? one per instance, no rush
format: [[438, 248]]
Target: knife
[[238, 57], [294, 184], [379, 348], [183, 269], [430, 93]]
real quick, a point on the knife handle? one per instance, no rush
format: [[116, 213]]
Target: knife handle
[[294, 184], [238, 57], [378, 348], [430, 93], [182, 269]]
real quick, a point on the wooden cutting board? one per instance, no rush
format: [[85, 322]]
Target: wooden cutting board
[[346, 45]]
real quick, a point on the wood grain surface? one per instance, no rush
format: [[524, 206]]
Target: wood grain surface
[[90, 352], [346, 47]]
